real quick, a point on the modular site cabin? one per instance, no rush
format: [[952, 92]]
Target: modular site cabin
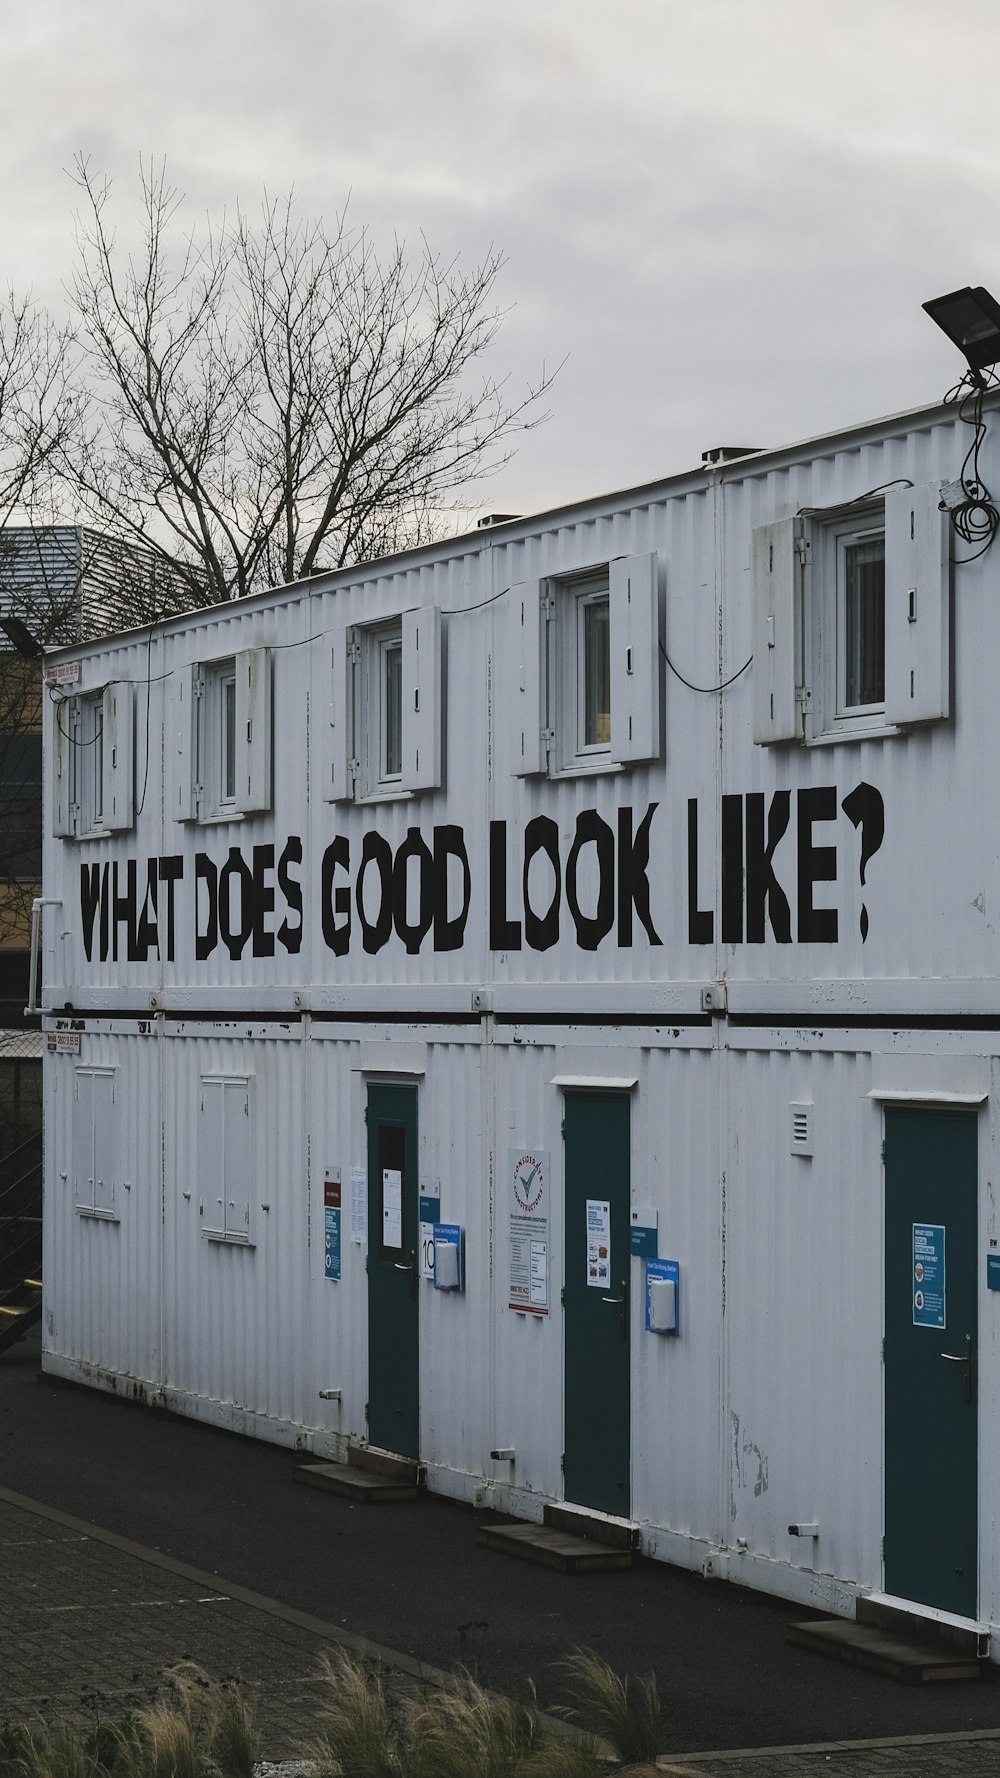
[[531, 1004]]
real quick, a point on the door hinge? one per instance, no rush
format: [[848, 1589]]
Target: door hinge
[[366, 1114], [883, 1351], [562, 1460], [882, 1152], [562, 1297], [562, 1129]]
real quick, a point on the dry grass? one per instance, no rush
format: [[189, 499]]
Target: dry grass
[[203, 1729], [624, 1712]]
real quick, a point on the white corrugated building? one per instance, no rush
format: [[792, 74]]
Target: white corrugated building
[[488, 887]]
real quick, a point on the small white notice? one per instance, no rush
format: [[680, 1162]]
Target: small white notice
[[392, 1207], [528, 1287], [539, 1274], [598, 1243], [359, 1205]]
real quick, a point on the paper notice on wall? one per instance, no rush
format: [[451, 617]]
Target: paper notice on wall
[[359, 1205], [539, 1275], [528, 1279], [392, 1207], [598, 1243]]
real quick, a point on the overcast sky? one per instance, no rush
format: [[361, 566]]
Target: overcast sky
[[724, 214]]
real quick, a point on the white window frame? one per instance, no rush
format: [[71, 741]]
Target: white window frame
[[830, 713], [571, 600], [226, 1195], [548, 626], [216, 745], [380, 710], [357, 767], [799, 607], [222, 772], [93, 756]]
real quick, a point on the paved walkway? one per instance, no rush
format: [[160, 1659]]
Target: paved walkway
[[90, 1621]]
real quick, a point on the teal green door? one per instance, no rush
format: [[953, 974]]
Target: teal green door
[[393, 1347], [596, 1146], [931, 1325]]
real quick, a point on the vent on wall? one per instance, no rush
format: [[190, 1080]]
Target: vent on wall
[[801, 1129]]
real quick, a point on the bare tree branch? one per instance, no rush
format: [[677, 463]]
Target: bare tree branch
[[272, 398]]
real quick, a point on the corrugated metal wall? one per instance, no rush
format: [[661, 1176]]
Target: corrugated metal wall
[[768, 1409]]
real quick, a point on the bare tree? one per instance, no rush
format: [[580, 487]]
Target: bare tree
[[39, 408], [273, 398], [39, 401]]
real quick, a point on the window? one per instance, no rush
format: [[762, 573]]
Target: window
[[851, 619], [216, 741], [95, 1143], [222, 738], [586, 671], [849, 626], [93, 754], [386, 708], [225, 1152], [21, 806], [380, 655]]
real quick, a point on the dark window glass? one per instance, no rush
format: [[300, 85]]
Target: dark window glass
[[864, 622]]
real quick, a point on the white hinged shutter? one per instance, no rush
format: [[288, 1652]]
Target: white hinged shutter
[[635, 659], [253, 730], [528, 702], [422, 709], [338, 776], [776, 576], [182, 783], [63, 721], [917, 606], [118, 748]]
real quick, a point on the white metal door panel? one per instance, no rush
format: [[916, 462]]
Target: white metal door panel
[[528, 677], [182, 764], [917, 605], [422, 704], [118, 719], [635, 659], [253, 730], [338, 778], [777, 632]]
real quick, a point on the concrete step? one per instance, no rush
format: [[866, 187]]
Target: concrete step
[[385, 1463], [550, 1547], [353, 1483], [925, 1623], [618, 1534], [914, 1658]]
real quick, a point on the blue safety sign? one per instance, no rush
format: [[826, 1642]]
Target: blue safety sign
[[331, 1243], [928, 1276]]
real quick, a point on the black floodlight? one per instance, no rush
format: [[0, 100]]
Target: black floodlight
[[19, 635], [971, 319]]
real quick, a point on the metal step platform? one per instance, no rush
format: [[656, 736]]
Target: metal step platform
[[570, 1540], [369, 1476], [898, 1641]]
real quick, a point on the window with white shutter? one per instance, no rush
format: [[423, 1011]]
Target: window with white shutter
[[852, 618], [585, 669], [226, 1158]]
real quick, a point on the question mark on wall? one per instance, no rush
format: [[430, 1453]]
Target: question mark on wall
[[865, 809]]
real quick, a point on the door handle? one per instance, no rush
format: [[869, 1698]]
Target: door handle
[[410, 1266], [621, 1302], [963, 1358]]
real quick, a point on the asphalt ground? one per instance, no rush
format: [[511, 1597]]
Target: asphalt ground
[[411, 1578]]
